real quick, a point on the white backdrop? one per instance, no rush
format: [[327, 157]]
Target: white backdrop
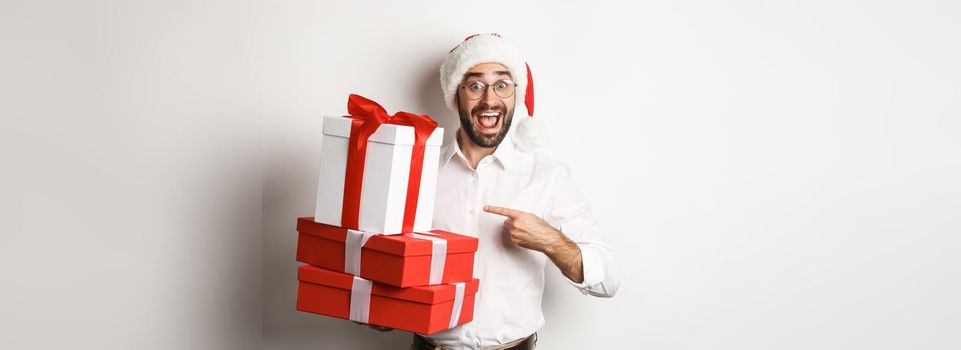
[[130, 189], [770, 175]]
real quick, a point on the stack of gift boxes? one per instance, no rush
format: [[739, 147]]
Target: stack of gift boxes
[[372, 256]]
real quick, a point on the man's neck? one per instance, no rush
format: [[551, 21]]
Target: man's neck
[[471, 150]]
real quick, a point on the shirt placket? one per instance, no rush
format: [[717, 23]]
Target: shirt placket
[[470, 205], [473, 205]]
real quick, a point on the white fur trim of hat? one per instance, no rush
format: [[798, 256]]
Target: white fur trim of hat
[[492, 48]]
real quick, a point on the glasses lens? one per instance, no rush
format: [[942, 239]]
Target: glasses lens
[[504, 88], [475, 90]]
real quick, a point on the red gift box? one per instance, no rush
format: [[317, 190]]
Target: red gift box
[[423, 310], [404, 260]]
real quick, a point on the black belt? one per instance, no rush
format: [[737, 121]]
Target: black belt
[[424, 343]]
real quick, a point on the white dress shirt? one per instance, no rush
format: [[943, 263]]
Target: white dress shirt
[[508, 302]]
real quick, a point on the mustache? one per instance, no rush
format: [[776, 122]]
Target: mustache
[[481, 108]]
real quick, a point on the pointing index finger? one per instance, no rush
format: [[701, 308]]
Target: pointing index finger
[[508, 212]]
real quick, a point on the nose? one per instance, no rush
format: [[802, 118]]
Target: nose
[[489, 97]]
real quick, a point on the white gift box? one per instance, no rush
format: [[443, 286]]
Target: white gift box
[[386, 171]]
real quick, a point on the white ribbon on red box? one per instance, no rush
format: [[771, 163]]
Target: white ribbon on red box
[[356, 240], [360, 301], [458, 303], [438, 254], [352, 245]]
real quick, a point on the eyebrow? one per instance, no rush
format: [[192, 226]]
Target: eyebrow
[[478, 74]]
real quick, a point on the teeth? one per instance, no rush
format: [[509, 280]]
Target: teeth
[[489, 114]]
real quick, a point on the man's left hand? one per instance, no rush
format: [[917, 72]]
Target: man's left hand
[[526, 229], [529, 231]]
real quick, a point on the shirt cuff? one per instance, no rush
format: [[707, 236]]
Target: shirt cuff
[[590, 266]]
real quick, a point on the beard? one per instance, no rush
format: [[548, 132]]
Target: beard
[[468, 124]]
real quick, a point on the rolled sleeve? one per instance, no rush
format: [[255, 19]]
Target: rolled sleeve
[[571, 214], [599, 272]]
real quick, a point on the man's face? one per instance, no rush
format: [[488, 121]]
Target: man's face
[[485, 120]]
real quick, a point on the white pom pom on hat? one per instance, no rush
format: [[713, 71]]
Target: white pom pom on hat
[[492, 48]]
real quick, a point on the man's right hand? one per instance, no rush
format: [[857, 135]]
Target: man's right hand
[[379, 328]]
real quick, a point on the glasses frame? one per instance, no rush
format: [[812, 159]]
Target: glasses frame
[[486, 86]]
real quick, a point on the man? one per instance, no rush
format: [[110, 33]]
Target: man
[[523, 207]]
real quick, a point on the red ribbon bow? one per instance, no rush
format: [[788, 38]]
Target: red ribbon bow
[[367, 116]]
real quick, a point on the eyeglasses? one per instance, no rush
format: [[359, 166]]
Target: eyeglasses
[[476, 89]]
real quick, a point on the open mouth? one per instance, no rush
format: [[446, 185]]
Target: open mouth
[[488, 122]]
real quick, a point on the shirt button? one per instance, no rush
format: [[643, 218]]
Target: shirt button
[[471, 211], [474, 174]]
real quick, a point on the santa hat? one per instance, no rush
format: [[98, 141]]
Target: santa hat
[[492, 48]]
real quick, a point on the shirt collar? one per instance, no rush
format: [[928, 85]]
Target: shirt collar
[[504, 153]]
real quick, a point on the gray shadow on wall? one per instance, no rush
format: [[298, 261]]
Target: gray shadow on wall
[[431, 98]]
